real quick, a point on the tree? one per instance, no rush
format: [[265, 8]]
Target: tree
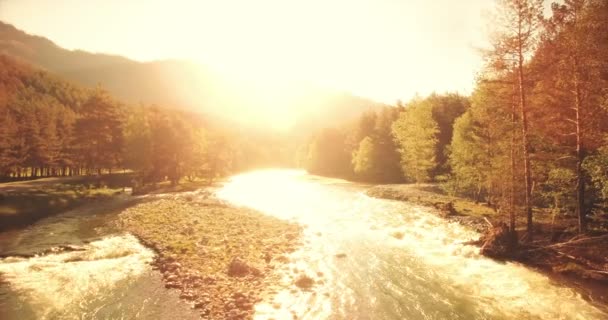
[[219, 155], [365, 127], [572, 51], [138, 142], [479, 152], [446, 109], [364, 158], [596, 166], [387, 160], [515, 40], [328, 155], [415, 132], [99, 132], [8, 128]]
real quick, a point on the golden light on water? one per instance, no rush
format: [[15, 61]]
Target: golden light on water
[[425, 272]]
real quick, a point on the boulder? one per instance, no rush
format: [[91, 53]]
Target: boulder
[[446, 209], [304, 282], [238, 268], [498, 242]]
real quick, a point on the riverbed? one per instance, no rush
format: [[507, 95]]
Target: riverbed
[[369, 259]]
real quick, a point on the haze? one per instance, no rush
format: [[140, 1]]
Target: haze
[[384, 50]]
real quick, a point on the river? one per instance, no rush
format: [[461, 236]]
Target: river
[[370, 259]]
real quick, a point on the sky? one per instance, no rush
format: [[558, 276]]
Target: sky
[[381, 49]]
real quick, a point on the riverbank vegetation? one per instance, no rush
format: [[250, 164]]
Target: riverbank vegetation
[[24, 202], [581, 258], [220, 257], [529, 142]]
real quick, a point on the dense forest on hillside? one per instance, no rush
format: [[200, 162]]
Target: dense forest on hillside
[[533, 135], [50, 127]]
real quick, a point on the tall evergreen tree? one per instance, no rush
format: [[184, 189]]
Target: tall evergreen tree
[[98, 132], [516, 38], [572, 52]]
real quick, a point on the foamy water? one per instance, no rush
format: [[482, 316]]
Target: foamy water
[[380, 259], [62, 285]]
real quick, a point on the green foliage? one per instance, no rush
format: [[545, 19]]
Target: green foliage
[[479, 152], [416, 134], [164, 145], [596, 167], [49, 127], [446, 109], [364, 157], [559, 189], [138, 141], [375, 152], [99, 132], [328, 155], [387, 158], [465, 155]]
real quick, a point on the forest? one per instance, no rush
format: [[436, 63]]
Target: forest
[[532, 136], [51, 127]]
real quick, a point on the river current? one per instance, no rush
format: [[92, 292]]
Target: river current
[[369, 258]]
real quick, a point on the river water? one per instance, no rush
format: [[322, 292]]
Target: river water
[[107, 277], [369, 258]]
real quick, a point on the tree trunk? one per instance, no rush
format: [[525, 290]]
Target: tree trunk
[[512, 191], [580, 181], [526, 147]]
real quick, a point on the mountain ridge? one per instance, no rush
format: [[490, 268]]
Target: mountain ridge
[[179, 83]]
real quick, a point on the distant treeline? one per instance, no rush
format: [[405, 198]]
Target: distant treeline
[[532, 135], [392, 144], [49, 127]]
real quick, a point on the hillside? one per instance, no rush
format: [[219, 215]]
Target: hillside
[[180, 84]]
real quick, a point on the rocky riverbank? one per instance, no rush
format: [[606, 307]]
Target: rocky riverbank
[[459, 210], [220, 257], [556, 249]]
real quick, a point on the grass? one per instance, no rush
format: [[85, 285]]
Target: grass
[[167, 187], [430, 195], [24, 202]]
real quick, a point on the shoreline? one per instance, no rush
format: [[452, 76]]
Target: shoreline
[[483, 218], [24, 202], [219, 257]]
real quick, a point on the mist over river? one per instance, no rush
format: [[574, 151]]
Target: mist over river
[[369, 258]]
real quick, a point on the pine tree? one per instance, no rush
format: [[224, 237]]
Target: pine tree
[[516, 39], [99, 131], [573, 51]]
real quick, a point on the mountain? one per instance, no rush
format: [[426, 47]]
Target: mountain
[[183, 84]]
